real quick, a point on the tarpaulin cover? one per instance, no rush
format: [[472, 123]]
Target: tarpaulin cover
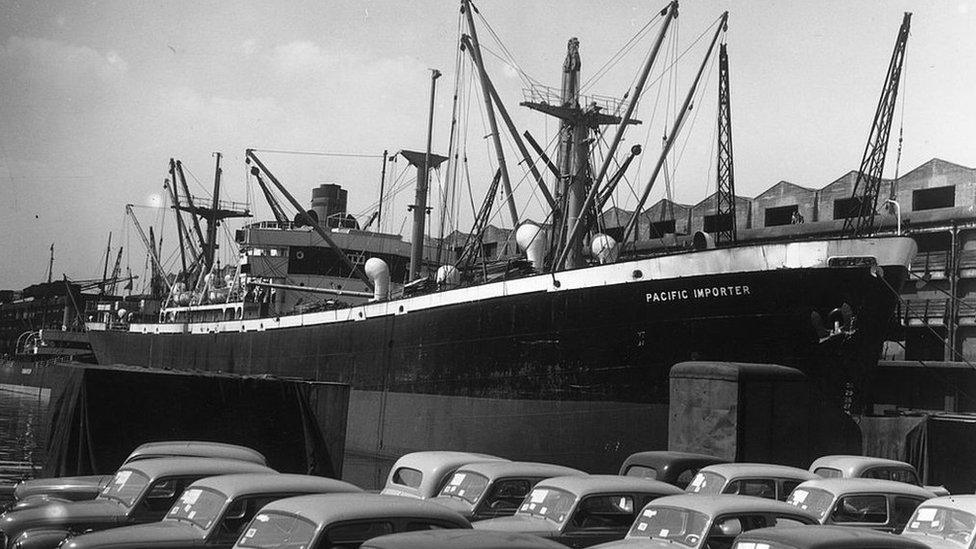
[[754, 412], [98, 415]]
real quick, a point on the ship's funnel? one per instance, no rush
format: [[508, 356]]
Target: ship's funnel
[[448, 277], [604, 248], [531, 238], [379, 272]]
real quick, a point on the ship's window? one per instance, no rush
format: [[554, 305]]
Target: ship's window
[[717, 223], [781, 215], [846, 207], [661, 228], [936, 197]]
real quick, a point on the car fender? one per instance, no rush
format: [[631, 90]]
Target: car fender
[[40, 539], [37, 500]]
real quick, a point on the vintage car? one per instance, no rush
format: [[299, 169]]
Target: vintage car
[[581, 511], [33, 492], [947, 522], [706, 522], [676, 468], [422, 474], [491, 489], [840, 466], [211, 513], [748, 479], [822, 537], [142, 491], [342, 521], [883, 505], [461, 539]]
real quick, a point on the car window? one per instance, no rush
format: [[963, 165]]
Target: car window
[[604, 512], [353, 534], [685, 477], [787, 522], [787, 489], [125, 487], [237, 515], [706, 483], [466, 485], [406, 476], [902, 510], [641, 471], [870, 509], [899, 474], [724, 530], [758, 487], [278, 531], [507, 494], [161, 496], [828, 472]]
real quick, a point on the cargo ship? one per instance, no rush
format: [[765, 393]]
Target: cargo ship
[[561, 354]]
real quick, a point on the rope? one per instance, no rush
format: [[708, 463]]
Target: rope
[[318, 153]]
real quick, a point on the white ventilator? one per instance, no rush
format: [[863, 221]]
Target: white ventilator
[[379, 272], [532, 239], [604, 248]]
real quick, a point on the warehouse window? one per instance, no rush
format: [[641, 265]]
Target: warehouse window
[[846, 207], [661, 228], [717, 223], [616, 233], [937, 197], [782, 215]]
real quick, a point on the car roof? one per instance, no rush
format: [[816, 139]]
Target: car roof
[[854, 465], [328, 508], [728, 503], [268, 483], [732, 470], [841, 486], [470, 539], [434, 465], [666, 457], [197, 448], [154, 468], [497, 469], [965, 503], [592, 484], [828, 537]]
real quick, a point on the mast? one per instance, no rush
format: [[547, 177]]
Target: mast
[[50, 264], [467, 8], [420, 200], [108, 252], [670, 13], [190, 207], [725, 172], [860, 220], [672, 136], [379, 210], [214, 218]]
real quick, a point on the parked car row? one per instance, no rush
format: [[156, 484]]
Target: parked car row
[[223, 496]]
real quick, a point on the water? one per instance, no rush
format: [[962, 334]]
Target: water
[[23, 431]]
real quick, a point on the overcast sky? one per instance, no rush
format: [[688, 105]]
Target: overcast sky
[[96, 96]]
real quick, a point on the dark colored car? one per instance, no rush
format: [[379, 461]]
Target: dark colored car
[[706, 522], [581, 511], [492, 489], [461, 539], [211, 513], [676, 468], [33, 492], [142, 491], [823, 537], [343, 521]]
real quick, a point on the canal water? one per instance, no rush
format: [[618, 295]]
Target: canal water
[[23, 431]]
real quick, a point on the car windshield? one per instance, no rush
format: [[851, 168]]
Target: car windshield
[[279, 531], [466, 485], [955, 526], [812, 500], [549, 503], [200, 506], [706, 483], [126, 487], [684, 526]]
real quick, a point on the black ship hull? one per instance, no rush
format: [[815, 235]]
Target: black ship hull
[[586, 367]]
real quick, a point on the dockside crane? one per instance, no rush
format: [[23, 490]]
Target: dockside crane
[[859, 219], [725, 174]]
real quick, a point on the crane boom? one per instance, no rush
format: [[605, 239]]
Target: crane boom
[[157, 265], [859, 219], [725, 172]]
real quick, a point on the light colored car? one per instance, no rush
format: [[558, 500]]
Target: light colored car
[[342, 520], [841, 466], [421, 475], [947, 522], [748, 479], [691, 521], [37, 491], [492, 489], [211, 513], [676, 468], [581, 511], [883, 505], [823, 537]]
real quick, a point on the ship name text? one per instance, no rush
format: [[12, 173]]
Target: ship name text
[[698, 293]]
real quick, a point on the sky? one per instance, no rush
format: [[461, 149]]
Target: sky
[[97, 96]]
